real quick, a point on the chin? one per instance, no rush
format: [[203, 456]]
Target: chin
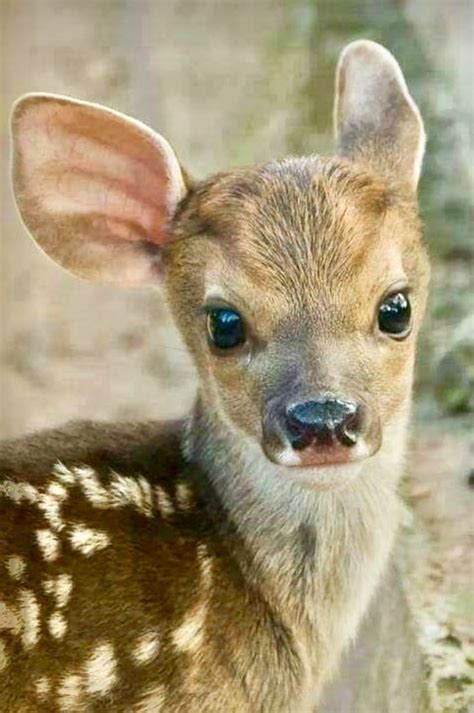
[[324, 477]]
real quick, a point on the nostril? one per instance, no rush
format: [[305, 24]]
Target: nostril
[[349, 428], [301, 439], [324, 420], [348, 432]]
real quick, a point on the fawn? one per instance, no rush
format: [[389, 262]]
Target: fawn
[[223, 562]]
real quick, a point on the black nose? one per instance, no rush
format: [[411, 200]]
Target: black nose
[[325, 421]]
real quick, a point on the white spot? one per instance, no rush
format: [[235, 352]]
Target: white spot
[[99, 670], [188, 637], [57, 625], [60, 587], [42, 687], [205, 564], [29, 612], [87, 540], [15, 566], [50, 508], [48, 544], [63, 589], [3, 656], [131, 491], [58, 491], [18, 492], [69, 693], [50, 504], [184, 496], [92, 488], [9, 619], [153, 700], [63, 474], [49, 586], [147, 647], [165, 506], [288, 457], [122, 491]]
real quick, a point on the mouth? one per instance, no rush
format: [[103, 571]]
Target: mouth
[[320, 457], [316, 474]]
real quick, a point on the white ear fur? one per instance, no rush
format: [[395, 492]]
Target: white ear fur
[[376, 119], [96, 189]]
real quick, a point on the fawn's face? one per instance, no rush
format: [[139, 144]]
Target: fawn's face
[[298, 286], [300, 292]]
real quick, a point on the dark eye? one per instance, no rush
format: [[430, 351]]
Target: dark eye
[[225, 328], [394, 315]]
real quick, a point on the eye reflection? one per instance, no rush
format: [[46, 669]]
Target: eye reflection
[[225, 328], [394, 316]]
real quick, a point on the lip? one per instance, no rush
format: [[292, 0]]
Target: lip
[[313, 457], [329, 456], [322, 477]]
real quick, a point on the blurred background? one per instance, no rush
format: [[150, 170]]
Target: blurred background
[[228, 82]]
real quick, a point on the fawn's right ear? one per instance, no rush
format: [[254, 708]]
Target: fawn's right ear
[[96, 189], [376, 119]]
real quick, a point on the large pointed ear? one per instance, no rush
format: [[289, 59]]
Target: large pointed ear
[[376, 120], [96, 189]]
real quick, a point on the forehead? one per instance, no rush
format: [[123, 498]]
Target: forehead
[[298, 227]]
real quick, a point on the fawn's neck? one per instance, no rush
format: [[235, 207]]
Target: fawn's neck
[[315, 556]]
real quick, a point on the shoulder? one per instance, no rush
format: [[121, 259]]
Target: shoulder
[[81, 476], [151, 448]]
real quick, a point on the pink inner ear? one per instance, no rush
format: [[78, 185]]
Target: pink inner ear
[[86, 161], [102, 178]]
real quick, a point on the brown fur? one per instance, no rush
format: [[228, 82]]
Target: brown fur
[[184, 567], [149, 580], [305, 247]]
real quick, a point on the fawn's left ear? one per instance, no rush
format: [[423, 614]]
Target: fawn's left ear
[[97, 190], [376, 119]]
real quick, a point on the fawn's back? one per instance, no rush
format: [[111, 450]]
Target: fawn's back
[[221, 563], [105, 566]]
